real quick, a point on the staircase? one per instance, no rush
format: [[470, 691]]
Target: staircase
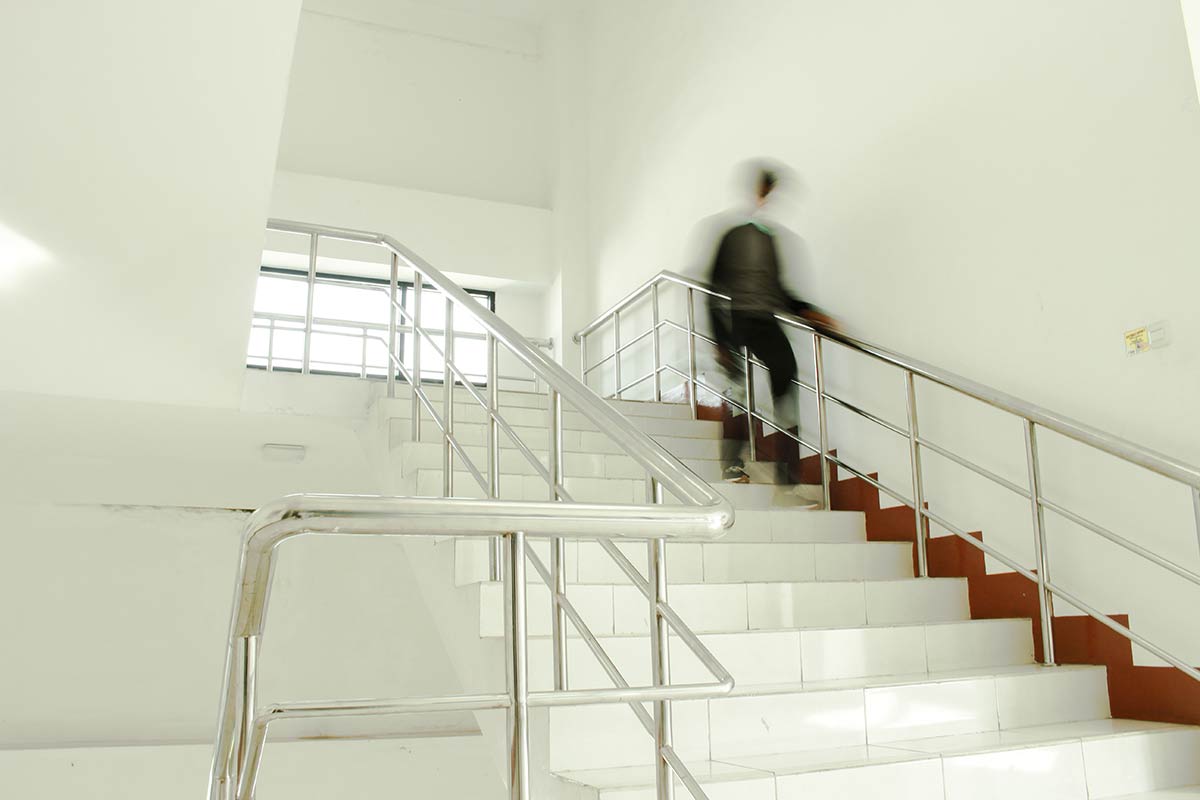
[[853, 677]]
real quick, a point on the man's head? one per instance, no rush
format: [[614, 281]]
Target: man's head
[[766, 184]]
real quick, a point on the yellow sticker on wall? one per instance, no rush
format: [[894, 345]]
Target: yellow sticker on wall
[[1137, 341]]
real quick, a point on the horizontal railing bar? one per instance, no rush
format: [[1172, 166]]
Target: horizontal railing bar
[[979, 545], [642, 379], [1151, 460], [1121, 541], [631, 694], [718, 345], [971, 465], [1117, 627], [894, 495], [741, 407], [867, 415], [610, 668], [681, 482], [371, 707]]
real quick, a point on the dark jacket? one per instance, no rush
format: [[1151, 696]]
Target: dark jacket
[[746, 268]]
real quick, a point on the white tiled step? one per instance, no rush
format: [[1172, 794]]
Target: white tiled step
[[766, 495], [725, 608], [428, 483], [428, 455], [536, 418], [796, 526], [1182, 793], [713, 562], [638, 408], [538, 438], [757, 658], [1076, 761], [873, 711]]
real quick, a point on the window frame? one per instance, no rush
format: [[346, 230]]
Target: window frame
[[402, 290]]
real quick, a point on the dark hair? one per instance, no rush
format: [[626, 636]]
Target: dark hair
[[766, 182]]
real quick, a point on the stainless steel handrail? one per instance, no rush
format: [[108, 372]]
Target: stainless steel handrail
[[703, 515], [1033, 417]]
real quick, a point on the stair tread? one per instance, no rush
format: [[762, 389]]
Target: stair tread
[[1181, 793], [791, 763], [767, 631]]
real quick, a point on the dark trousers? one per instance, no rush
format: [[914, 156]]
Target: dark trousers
[[763, 337]]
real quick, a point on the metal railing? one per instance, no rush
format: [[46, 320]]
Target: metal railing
[[702, 514], [1032, 417], [387, 334]]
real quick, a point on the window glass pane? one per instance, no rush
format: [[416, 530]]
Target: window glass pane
[[287, 365], [470, 356], [377, 353], [289, 345], [256, 362], [259, 342], [432, 367], [332, 348], [279, 295], [465, 322], [350, 303], [433, 307]]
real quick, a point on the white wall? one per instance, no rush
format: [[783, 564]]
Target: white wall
[[138, 145], [998, 189], [503, 242], [380, 94]]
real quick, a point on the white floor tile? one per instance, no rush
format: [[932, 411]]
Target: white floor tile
[[704, 607], [924, 600], [979, 643], [932, 709], [594, 737], [758, 562], [743, 726], [1052, 695], [1052, 772], [806, 605], [858, 652], [865, 561], [909, 780], [1142, 762]]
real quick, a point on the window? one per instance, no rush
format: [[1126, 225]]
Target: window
[[350, 327]]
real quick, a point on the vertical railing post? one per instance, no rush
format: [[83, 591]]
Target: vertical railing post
[[656, 344], [393, 286], [517, 668], [918, 480], [271, 347], [583, 365], [415, 367], [660, 661], [691, 351], [617, 354], [558, 546], [248, 669], [308, 308], [822, 419], [1045, 598], [448, 400], [749, 374], [496, 544]]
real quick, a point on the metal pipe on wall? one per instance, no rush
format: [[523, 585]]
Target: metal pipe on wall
[[918, 480], [558, 546], [496, 545], [691, 352], [308, 308], [656, 344], [415, 383], [518, 669], [749, 364], [393, 286], [660, 664], [822, 420], [448, 400], [1045, 598]]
